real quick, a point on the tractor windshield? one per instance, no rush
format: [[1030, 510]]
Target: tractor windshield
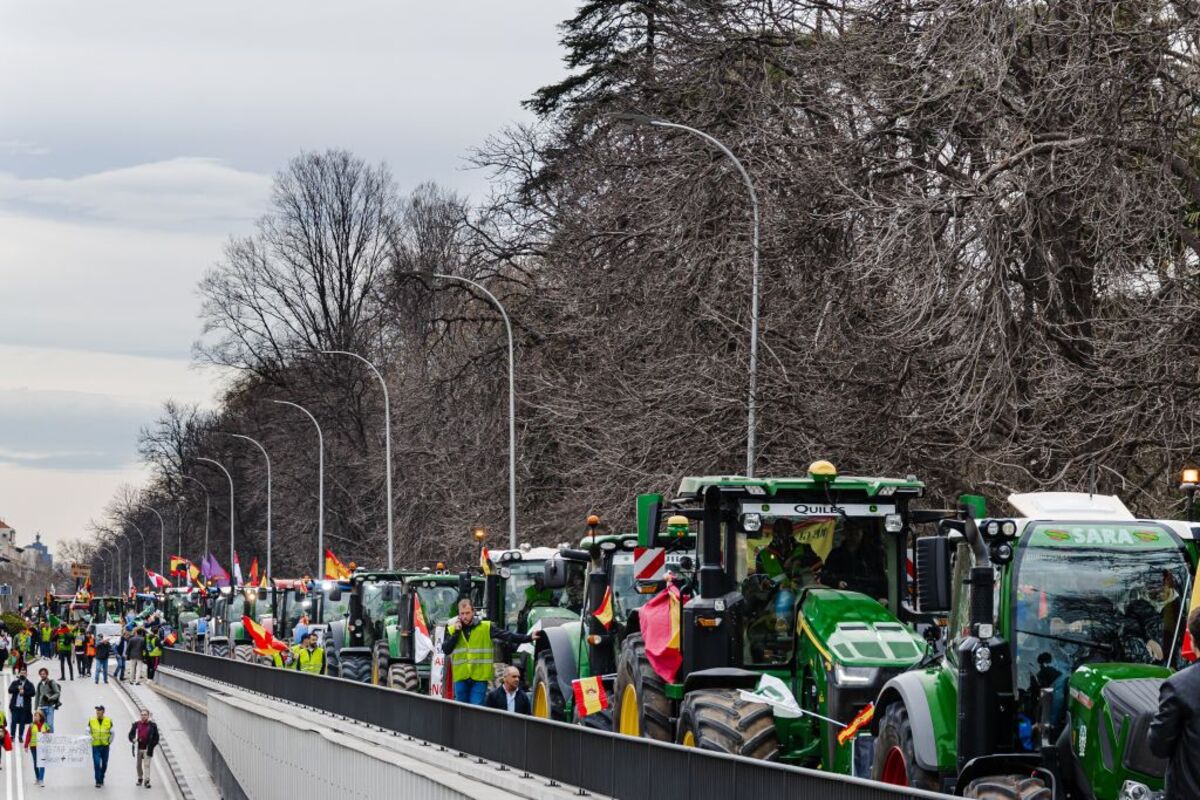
[[524, 590], [789, 554], [1095, 593], [377, 607], [333, 610], [438, 603]]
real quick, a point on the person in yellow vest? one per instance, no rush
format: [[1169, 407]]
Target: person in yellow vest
[[153, 652], [308, 656], [100, 728], [469, 644], [38, 727], [45, 634]]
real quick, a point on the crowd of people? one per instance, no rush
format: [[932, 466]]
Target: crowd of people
[[82, 649]]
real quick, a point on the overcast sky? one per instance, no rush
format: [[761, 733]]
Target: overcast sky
[[137, 135]]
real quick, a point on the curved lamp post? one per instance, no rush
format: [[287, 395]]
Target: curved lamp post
[[642, 119], [207, 508], [387, 428], [267, 458], [162, 542], [139, 532], [320, 485], [221, 467], [512, 406]]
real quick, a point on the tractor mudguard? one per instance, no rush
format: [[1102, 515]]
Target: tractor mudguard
[[721, 678], [558, 641], [917, 691], [335, 635]]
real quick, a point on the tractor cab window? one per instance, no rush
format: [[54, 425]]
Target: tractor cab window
[[375, 606], [236, 607], [297, 605], [857, 561], [1075, 605], [332, 611], [626, 597], [438, 603], [524, 590]]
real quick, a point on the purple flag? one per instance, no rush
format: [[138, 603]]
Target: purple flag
[[219, 576], [206, 566]]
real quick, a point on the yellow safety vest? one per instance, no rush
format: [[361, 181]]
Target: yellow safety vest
[[313, 662], [153, 650], [473, 653], [101, 730], [35, 729]]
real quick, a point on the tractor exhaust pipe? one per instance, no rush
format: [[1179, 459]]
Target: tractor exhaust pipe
[[981, 657]]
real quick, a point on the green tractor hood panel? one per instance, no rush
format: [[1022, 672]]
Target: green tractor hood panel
[[855, 630]]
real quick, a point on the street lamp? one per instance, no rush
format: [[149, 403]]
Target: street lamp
[[1189, 479], [99, 555], [387, 428], [207, 508], [139, 532], [642, 119], [259, 445], [320, 485], [219, 466], [162, 542], [512, 407]]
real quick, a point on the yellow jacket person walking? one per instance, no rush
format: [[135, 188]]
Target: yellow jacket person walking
[[309, 657], [469, 643], [100, 728]]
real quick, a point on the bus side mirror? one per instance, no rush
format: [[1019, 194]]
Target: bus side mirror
[[555, 573], [933, 574]]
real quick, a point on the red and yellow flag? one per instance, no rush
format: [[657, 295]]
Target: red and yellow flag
[[263, 583], [263, 639], [864, 718], [590, 696], [605, 612], [485, 561], [335, 570], [179, 565], [1189, 649], [254, 572], [660, 622]]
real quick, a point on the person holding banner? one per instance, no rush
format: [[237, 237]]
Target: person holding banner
[[38, 727]]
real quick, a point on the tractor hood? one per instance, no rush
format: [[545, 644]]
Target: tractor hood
[[854, 630], [1110, 707]]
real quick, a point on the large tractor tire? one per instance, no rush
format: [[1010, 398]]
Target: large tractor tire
[[243, 652], [333, 661], [219, 648], [548, 700], [355, 667], [600, 721], [1008, 787], [404, 677], [641, 706], [895, 758], [380, 658], [720, 720]]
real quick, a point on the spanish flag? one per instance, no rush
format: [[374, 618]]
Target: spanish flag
[[605, 612], [254, 572], [193, 573], [485, 561], [179, 565], [590, 696], [660, 622], [264, 640], [263, 584], [1189, 650], [335, 570], [864, 718]]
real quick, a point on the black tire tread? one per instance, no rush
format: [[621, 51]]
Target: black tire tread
[[1008, 787], [380, 662], [895, 730], [219, 649], [633, 666], [355, 668], [403, 677], [546, 671], [243, 652], [720, 720]]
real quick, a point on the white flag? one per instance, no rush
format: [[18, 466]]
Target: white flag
[[237, 571]]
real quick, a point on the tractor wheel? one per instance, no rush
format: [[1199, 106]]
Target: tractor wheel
[[264, 661], [380, 658], [404, 677], [719, 719], [895, 759], [1008, 787], [243, 652], [355, 668], [548, 701], [641, 706], [332, 661], [219, 648]]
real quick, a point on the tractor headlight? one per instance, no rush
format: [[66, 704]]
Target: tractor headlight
[[893, 523], [1009, 528], [845, 677], [983, 658], [992, 528], [752, 522], [1132, 790]]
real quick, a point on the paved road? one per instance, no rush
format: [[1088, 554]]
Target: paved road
[[79, 699]]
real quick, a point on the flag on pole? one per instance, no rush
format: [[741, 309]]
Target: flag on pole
[[254, 572], [335, 570], [263, 583], [863, 717], [156, 580], [217, 573], [179, 566], [485, 561], [660, 621], [422, 642], [264, 641], [193, 573], [590, 696], [604, 614], [237, 570]]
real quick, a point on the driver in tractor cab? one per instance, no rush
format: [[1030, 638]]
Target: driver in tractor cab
[[786, 561], [857, 563]]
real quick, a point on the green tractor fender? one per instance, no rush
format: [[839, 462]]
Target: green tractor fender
[[721, 678], [931, 701], [563, 644], [391, 632]]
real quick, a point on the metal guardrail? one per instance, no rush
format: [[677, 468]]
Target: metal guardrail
[[602, 763]]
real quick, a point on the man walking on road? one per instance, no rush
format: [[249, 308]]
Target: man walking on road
[[62, 644], [100, 729], [144, 735], [48, 696], [1175, 731], [133, 653], [20, 705], [101, 665]]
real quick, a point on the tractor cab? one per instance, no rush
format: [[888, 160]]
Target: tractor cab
[[1063, 622], [228, 637], [518, 597], [103, 609]]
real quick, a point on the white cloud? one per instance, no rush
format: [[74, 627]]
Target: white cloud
[[16, 147], [182, 193]]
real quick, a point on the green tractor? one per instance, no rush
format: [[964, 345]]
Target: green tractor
[[586, 647], [375, 643], [228, 637], [1063, 623], [800, 579]]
